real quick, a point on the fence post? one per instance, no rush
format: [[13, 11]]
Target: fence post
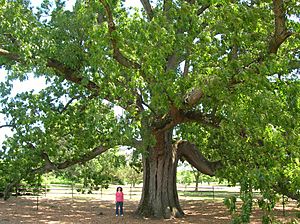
[[37, 197], [72, 185], [45, 189], [213, 187], [283, 205], [46, 184], [130, 190]]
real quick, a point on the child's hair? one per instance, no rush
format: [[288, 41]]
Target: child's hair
[[120, 189]]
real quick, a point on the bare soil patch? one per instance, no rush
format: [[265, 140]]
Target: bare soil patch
[[80, 210]]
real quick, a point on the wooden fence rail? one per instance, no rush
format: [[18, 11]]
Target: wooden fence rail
[[67, 190]]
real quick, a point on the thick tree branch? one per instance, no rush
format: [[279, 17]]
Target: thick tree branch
[[281, 32], [116, 51], [64, 71], [9, 187], [50, 166], [147, 6], [193, 97], [71, 75], [178, 116], [192, 155]]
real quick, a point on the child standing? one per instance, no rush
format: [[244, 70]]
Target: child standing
[[119, 201]]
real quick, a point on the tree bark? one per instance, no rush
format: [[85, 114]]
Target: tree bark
[[192, 155], [159, 197], [7, 190]]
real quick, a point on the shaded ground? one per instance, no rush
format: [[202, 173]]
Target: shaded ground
[[80, 210]]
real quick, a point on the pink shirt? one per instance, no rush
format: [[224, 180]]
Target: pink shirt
[[119, 196]]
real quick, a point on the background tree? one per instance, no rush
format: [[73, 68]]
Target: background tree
[[132, 172], [185, 177], [197, 178], [97, 173], [220, 70], [131, 176], [189, 175]]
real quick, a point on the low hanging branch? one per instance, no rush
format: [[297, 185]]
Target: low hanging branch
[[50, 166], [191, 154]]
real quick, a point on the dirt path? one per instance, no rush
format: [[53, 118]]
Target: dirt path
[[58, 210]]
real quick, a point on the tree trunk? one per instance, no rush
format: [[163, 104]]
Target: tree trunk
[[159, 196]]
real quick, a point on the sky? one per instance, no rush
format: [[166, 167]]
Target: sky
[[69, 3], [38, 84]]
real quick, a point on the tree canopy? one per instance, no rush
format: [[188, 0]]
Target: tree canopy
[[217, 76]]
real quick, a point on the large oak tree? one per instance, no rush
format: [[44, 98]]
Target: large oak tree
[[218, 77]]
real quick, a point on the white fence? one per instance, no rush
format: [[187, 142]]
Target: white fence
[[131, 193]]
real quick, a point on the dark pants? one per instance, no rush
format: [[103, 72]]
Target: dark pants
[[119, 205]]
